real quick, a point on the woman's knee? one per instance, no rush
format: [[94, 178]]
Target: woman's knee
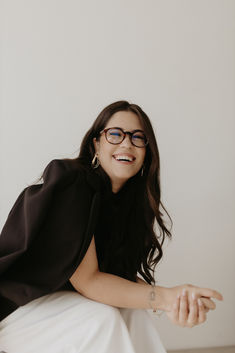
[[108, 313], [109, 310]]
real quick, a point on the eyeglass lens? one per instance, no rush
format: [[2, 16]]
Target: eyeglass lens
[[115, 136]]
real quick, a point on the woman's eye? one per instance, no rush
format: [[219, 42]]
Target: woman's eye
[[115, 134], [138, 137]]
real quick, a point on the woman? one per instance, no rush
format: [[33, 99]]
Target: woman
[[71, 249]]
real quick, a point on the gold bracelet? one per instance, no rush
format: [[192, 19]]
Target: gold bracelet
[[152, 297]]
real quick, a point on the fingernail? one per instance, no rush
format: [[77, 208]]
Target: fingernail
[[184, 292], [178, 296], [193, 296]]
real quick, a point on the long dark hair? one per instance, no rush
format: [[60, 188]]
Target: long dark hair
[[152, 241]]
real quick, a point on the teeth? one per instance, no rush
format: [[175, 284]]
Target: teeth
[[124, 157]]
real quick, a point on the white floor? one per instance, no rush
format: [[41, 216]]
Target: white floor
[[228, 349]]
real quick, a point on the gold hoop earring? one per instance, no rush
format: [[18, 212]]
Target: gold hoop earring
[[95, 163]]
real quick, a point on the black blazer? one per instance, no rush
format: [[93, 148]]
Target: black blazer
[[34, 250]]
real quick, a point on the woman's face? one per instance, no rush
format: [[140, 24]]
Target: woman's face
[[120, 172]]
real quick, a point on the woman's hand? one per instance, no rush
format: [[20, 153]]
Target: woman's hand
[[187, 314], [204, 293]]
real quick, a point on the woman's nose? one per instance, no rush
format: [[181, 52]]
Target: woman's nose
[[127, 141]]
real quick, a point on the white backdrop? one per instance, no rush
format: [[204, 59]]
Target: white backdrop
[[63, 61]]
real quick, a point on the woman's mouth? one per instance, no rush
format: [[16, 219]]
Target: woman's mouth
[[124, 159]]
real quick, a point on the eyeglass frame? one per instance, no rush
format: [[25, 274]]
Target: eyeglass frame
[[124, 136]]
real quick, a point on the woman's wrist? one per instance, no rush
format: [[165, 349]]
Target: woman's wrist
[[158, 298], [158, 295]]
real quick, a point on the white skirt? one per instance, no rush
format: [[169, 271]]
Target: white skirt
[[67, 322]]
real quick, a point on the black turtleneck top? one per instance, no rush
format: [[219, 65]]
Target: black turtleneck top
[[118, 251]]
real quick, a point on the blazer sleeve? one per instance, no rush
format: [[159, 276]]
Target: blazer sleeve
[[27, 214], [46, 234]]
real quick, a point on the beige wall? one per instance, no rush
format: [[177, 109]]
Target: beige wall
[[63, 61]]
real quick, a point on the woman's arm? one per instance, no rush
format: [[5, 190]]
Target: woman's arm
[[111, 289], [117, 291]]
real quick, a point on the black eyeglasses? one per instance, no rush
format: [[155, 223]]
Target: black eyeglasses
[[116, 135]]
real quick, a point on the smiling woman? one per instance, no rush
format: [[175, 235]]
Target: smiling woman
[[116, 146], [72, 248]]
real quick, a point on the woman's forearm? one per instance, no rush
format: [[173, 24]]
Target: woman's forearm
[[119, 292]]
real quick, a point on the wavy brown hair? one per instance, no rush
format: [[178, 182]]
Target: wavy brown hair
[[152, 241]]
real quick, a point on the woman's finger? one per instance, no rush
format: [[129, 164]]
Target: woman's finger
[[208, 293], [175, 310], [201, 312], [208, 303], [193, 312], [183, 309]]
